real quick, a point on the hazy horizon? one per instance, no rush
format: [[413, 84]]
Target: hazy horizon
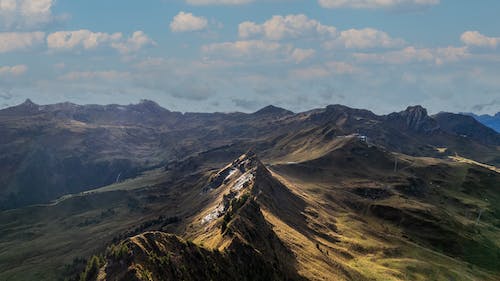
[[239, 111]]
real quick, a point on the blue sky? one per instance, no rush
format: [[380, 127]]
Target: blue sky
[[241, 55]]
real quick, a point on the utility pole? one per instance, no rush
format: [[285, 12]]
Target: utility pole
[[395, 164], [118, 178], [478, 217]]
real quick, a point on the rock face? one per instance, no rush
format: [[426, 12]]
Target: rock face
[[415, 118]]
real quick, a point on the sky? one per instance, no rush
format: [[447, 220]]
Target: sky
[[242, 55]]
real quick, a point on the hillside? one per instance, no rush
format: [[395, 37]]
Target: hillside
[[329, 193], [85, 147], [322, 219]]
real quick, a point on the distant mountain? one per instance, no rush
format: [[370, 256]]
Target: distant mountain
[[467, 127], [415, 118], [488, 120], [50, 150], [273, 110]]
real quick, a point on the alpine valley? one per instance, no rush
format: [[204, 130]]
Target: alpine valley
[[138, 192]]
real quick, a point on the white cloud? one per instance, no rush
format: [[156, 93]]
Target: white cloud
[[374, 4], [299, 55], [258, 51], [88, 40], [300, 26], [15, 70], [25, 13], [327, 69], [290, 26], [92, 75], [474, 38], [450, 54], [184, 22], [218, 2], [137, 41], [12, 41], [364, 39], [242, 48], [416, 55]]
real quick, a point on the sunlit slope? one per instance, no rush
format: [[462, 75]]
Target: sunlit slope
[[351, 210], [357, 212], [405, 219]]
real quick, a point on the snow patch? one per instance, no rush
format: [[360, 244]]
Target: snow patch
[[215, 214], [242, 181], [231, 173], [246, 162]]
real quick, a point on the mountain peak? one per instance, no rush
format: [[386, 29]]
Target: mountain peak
[[148, 105], [148, 102], [416, 109], [417, 119], [28, 103], [245, 163], [273, 110]]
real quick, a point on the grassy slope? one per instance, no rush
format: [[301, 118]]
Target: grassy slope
[[383, 249], [332, 227], [36, 242]]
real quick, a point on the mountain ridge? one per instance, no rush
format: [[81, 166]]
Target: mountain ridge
[[93, 145], [492, 121], [315, 204]]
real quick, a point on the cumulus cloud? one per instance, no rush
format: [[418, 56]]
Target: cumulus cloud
[[290, 26], [476, 39], [300, 26], [184, 22], [300, 55], [258, 50], [375, 4], [137, 41], [364, 39], [88, 40], [13, 41], [15, 70], [416, 55], [25, 13], [218, 2]]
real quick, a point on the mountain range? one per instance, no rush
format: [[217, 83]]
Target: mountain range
[[138, 192], [488, 120]]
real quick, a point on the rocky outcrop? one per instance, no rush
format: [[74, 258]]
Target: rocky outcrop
[[414, 118]]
